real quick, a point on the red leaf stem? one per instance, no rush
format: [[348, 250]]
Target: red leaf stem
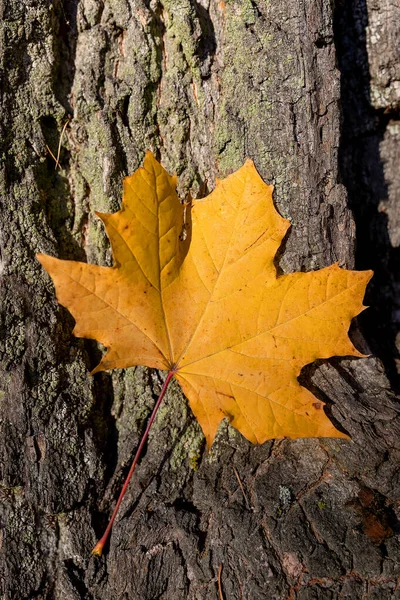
[[98, 549]]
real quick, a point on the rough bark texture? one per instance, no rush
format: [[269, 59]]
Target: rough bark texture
[[310, 91]]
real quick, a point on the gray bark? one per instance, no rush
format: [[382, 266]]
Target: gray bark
[[310, 91]]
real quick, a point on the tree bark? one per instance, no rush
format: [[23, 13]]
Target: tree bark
[[309, 90]]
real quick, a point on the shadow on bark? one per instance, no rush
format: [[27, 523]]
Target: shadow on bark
[[362, 171]]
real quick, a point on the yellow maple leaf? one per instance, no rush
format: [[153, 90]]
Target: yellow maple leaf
[[211, 309]]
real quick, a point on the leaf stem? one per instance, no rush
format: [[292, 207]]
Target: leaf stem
[[98, 549]]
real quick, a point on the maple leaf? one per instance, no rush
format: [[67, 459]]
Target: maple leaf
[[211, 309]]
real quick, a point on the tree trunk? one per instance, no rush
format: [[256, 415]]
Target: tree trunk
[[309, 91]]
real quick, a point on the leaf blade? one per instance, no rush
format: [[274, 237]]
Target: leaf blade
[[211, 309]]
